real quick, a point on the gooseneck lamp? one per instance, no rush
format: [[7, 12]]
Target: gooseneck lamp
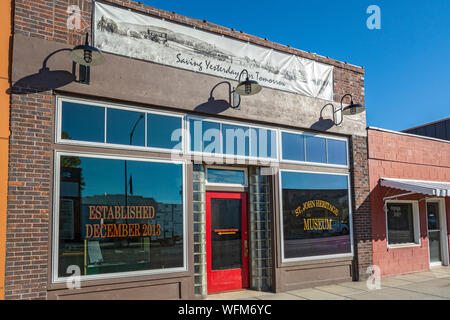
[[352, 108], [87, 55], [247, 87]]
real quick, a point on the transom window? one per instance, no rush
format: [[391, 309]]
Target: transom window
[[307, 147], [92, 123]]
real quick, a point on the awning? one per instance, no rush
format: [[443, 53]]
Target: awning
[[432, 188]]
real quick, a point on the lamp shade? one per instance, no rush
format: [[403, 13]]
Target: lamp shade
[[352, 109], [87, 55], [248, 88]]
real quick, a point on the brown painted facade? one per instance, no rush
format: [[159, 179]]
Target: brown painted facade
[[41, 30]]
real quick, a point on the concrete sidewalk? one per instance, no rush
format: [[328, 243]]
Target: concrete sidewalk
[[433, 284]]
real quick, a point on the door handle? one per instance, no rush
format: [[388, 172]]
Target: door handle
[[245, 248]]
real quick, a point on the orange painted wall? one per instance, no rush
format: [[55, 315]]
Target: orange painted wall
[[393, 155], [5, 35]]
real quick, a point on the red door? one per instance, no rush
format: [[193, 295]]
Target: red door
[[226, 241]]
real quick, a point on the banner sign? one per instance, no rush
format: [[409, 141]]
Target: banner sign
[[131, 34]]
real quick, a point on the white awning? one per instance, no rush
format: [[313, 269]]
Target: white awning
[[432, 188]]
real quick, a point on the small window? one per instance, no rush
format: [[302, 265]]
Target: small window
[[164, 132], [82, 122], [337, 151], [316, 149], [225, 176], [235, 140], [205, 136], [293, 146], [402, 223], [125, 127], [263, 143]]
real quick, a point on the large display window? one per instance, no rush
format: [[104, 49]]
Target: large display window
[[316, 219], [118, 216]]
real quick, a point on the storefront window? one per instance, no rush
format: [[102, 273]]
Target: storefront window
[[314, 149], [400, 222], [315, 215], [119, 215]]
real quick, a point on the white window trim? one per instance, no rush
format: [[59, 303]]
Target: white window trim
[[55, 232], [146, 111], [225, 168], [416, 225], [318, 135], [443, 231], [350, 212], [224, 155]]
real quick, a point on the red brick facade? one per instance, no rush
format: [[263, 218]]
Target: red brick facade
[[32, 136], [401, 156]]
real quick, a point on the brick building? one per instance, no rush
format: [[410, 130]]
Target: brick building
[[409, 194], [125, 175]]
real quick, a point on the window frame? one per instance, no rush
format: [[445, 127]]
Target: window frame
[[318, 135], [229, 168], [280, 216], [224, 155], [55, 217], [146, 111], [416, 224]]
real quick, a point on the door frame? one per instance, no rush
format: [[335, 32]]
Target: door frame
[[443, 231], [244, 223]]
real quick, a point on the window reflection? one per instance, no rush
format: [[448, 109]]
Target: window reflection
[[337, 151], [226, 176], [112, 222], [316, 218], [164, 132], [125, 127], [315, 149], [263, 143], [293, 146], [82, 122]]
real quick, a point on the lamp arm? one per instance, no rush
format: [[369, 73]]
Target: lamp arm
[[44, 63], [242, 73], [343, 97]]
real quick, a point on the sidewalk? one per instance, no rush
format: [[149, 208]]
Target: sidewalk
[[426, 285]]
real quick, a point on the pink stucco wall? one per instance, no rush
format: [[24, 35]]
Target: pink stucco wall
[[394, 155]]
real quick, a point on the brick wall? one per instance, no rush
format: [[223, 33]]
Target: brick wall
[[393, 155], [29, 197], [362, 221]]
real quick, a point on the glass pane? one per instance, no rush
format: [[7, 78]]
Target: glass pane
[[400, 223], [337, 152], [205, 136], [163, 131], [315, 149], [226, 238], [433, 215], [113, 219], [82, 122], [125, 127], [434, 238], [293, 146], [263, 143], [316, 214], [235, 140], [226, 176]]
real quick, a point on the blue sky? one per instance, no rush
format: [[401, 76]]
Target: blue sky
[[407, 64]]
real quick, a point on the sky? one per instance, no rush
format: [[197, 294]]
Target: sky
[[407, 67]]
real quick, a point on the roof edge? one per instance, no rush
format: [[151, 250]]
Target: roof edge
[[407, 134]]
